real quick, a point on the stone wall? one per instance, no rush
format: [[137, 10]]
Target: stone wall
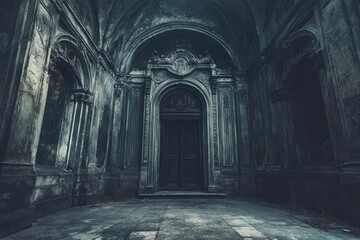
[[275, 149], [97, 146], [72, 171]]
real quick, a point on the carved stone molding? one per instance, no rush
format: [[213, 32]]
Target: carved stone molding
[[118, 88], [215, 128], [81, 96], [66, 52], [181, 101], [214, 84], [53, 64], [180, 62]]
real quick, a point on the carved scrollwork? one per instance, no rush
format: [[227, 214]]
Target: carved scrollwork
[[183, 101], [181, 61]]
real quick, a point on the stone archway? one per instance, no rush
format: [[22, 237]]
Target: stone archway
[[184, 59], [149, 175]]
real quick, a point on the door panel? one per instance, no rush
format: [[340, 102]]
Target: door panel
[[170, 174], [180, 155]]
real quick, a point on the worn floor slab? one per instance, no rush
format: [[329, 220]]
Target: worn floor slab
[[177, 219]]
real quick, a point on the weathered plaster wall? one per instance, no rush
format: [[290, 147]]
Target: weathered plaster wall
[[100, 148], [17, 104], [335, 185], [29, 188]]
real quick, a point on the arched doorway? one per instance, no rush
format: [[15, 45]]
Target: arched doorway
[[310, 121], [181, 151]]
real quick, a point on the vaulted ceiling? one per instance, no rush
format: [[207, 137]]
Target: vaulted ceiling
[[115, 23]]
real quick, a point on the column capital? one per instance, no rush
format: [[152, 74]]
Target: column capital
[[82, 96]]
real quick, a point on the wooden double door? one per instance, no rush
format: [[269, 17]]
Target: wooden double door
[[181, 166]]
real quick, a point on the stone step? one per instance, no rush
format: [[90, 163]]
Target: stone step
[[182, 194]]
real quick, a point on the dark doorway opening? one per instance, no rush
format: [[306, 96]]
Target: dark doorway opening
[[181, 161], [311, 126], [60, 86]]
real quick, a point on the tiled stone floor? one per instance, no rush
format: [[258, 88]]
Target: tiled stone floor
[[177, 219]]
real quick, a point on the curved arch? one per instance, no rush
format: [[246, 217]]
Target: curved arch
[[173, 26], [293, 52], [154, 128], [304, 32], [84, 79]]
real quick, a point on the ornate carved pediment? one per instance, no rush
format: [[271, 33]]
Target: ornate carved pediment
[[180, 62]]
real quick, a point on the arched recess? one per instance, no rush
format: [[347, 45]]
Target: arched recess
[[134, 45], [65, 125], [301, 86], [149, 178], [179, 59]]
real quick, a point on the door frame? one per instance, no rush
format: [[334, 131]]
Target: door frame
[[150, 163], [201, 136]]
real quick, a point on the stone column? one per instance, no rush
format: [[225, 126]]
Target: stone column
[[78, 113]]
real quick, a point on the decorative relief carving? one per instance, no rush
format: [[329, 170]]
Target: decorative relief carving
[[201, 76], [181, 100], [160, 76], [54, 61], [215, 130], [181, 61], [42, 24], [119, 88], [214, 85], [67, 53], [82, 97], [147, 90], [147, 85]]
